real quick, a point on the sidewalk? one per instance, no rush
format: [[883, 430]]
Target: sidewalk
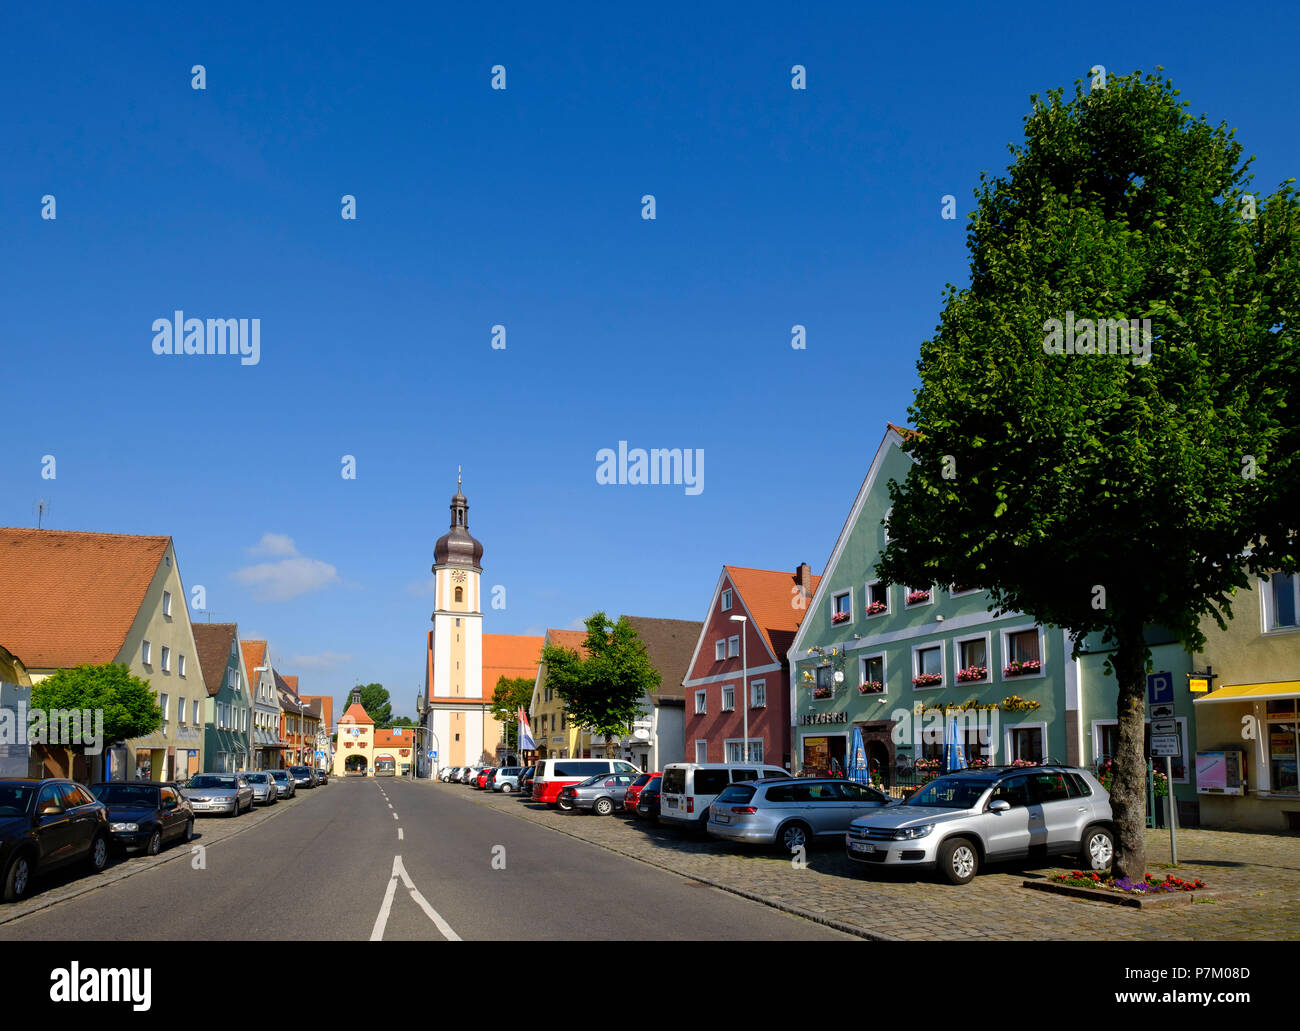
[[1255, 879]]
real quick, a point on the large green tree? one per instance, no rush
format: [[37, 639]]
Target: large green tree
[[128, 704], [602, 692], [374, 699], [508, 697], [1106, 492]]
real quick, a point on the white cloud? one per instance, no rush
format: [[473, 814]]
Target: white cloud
[[288, 578], [422, 588], [321, 660], [274, 545]]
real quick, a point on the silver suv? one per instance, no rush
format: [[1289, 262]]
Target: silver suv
[[965, 819]]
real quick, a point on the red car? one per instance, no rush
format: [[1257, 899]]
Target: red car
[[482, 779], [634, 791]]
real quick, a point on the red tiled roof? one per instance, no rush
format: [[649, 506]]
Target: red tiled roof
[[356, 714], [509, 655], [254, 656], [213, 641], [571, 639], [389, 738], [768, 594], [69, 597]]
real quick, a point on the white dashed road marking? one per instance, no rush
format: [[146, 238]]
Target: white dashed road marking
[[381, 921]]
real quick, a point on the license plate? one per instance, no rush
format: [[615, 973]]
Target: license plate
[[719, 817], [862, 846], [672, 803]]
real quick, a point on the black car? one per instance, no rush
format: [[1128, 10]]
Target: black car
[[46, 824], [303, 776], [526, 782], [145, 814], [322, 776], [647, 803]]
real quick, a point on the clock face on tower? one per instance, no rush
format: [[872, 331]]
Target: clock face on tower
[[458, 576]]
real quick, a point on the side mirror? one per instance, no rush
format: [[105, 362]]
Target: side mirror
[[1000, 805], [51, 810]]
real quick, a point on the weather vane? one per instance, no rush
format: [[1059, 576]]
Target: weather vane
[[458, 476]]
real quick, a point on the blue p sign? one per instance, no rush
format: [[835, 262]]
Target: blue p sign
[[1160, 688]]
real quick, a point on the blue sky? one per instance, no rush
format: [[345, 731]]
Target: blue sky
[[519, 207]]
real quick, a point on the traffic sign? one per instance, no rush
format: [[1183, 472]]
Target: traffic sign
[[1162, 711], [1166, 746], [1160, 687], [1163, 728]]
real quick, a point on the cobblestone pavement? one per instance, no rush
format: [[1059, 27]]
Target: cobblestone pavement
[[1255, 879]]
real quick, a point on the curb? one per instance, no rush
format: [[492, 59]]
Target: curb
[[752, 896], [129, 868]]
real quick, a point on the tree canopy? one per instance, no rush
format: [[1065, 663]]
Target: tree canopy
[[1098, 487], [128, 703], [374, 699], [508, 697]]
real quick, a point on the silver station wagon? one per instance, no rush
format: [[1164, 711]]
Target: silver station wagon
[[960, 821], [790, 812]]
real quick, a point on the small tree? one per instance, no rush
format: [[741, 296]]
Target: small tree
[[128, 704], [1102, 490], [603, 691], [509, 696]]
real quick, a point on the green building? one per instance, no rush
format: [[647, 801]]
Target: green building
[[227, 709]]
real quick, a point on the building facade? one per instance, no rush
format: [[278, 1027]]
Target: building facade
[[228, 707]]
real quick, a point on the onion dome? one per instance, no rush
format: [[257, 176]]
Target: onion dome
[[457, 547]]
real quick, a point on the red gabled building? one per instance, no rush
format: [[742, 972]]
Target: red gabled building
[[773, 605]]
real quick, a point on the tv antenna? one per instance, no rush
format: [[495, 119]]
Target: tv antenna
[[42, 509]]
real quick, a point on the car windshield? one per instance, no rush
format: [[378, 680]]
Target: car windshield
[[256, 778], [126, 794], [207, 780], [950, 793], [15, 798], [653, 785], [279, 775]]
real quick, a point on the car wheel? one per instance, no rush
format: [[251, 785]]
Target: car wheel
[[794, 837], [564, 804], [506, 789], [958, 861], [98, 853], [1098, 849], [188, 834], [603, 806], [18, 878], [155, 844]]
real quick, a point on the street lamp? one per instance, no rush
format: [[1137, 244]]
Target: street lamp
[[744, 682]]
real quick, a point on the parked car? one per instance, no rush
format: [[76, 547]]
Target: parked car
[[634, 789], [689, 789], [526, 781], [284, 783], [958, 822], [444, 774], [466, 773], [303, 776], [264, 788], [791, 812], [554, 775], [481, 778], [227, 793], [46, 824], [601, 794], [322, 776], [506, 779], [647, 802], [145, 814]]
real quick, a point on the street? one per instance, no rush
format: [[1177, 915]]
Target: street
[[325, 868]]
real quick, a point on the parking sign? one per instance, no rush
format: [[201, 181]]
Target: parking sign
[[1160, 687]]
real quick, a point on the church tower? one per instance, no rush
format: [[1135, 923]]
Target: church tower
[[455, 666]]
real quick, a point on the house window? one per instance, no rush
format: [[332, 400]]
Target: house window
[[1283, 739], [180, 710], [978, 745], [842, 607], [758, 694], [872, 674], [877, 598], [701, 751], [166, 659], [180, 665], [824, 685], [146, 653], [1026, 744], [564, 719], [736, 751], [919, 596], [928, 666], [733, 646], [164, 705], [726, 600], [1023, 652], [167, 603], [196, 719], [1282, 601], [700, 703], [719, 650], [728, 697], [973, 660]]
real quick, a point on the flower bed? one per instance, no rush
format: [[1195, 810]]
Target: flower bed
[[1148, 885], [1150, 892]]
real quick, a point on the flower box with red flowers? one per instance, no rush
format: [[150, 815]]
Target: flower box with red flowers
[[875, 608], [839, 617], [1020, 669], [918, 597], [927, 679], [823, 692], [973, 673], [870, 687]]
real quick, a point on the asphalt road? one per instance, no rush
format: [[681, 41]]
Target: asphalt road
[[328, 868]]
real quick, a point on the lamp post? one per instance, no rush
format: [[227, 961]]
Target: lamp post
[[744, 681]]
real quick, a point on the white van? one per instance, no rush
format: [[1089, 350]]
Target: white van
[[688, 789], [553, 775]]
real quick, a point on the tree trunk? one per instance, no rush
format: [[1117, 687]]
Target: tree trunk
[[610, 750], [1128, 790]]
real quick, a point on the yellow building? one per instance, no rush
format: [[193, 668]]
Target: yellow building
[[356, 746], [553, 731], [1252, 710]]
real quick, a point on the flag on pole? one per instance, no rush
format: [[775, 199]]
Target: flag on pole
[[526, 742]]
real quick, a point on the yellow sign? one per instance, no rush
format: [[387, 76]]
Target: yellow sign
[[1198, 685]]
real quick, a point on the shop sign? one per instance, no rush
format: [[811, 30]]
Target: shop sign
[[812, 718]]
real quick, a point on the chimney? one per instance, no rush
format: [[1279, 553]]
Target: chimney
[[803, 577]]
